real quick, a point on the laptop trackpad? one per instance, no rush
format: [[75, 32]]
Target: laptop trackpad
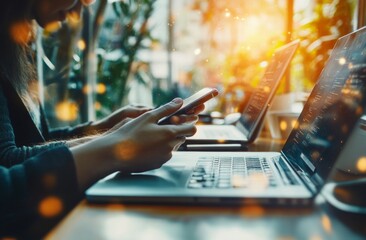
[[166, 176]]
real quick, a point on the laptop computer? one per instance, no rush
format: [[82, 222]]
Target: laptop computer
[[291, 177], [250, 121]]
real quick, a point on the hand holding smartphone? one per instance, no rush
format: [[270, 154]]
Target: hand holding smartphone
[[191, 103]]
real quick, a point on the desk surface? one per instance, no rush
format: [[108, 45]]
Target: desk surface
[[118, 221]]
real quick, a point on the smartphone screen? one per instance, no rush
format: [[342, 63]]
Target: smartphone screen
[[191, 102]]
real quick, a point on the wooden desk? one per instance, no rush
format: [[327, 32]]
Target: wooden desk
[[118, 221]]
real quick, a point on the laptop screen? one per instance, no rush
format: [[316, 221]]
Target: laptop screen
[[267, 87], [334, 106]]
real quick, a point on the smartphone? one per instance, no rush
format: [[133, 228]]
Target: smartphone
[[192, 102]]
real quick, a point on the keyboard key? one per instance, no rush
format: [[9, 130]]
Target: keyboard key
[[229, 172]]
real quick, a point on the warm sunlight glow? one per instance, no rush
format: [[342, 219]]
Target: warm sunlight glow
[[50, 207], [67, 111], [361, 164], [263, 64]]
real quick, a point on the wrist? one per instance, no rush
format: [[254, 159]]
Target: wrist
[[100, 125], [92, 162]]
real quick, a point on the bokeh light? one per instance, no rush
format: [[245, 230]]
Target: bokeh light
[[97, 105], [67, 111], [73, 18], [283, 125], [326, 223], [126, 150], [81, 44], [197, 51], [50, 207], [52, 27], [294, 124], [21, 32], [263, 64], [101, 88], [361, 164], [342, 61]]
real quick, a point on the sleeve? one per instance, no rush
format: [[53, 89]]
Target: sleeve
[[64, 133], [37, 194], [10, 153], [78, 131]]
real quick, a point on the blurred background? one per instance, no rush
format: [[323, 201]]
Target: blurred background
[[147, 52]]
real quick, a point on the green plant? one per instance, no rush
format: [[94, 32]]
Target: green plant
[[319, 32], [131, 27]]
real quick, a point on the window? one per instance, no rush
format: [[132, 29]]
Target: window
[[150, 51]]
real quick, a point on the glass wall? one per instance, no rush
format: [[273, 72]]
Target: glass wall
[[147, 52]]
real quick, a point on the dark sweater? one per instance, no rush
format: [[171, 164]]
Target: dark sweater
[[38, 184], [20, 138], [37, 194]]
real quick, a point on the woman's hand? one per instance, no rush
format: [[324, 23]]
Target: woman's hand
[[191, 116], [125, 114], [120, 117], [144, 145], [139, 145]]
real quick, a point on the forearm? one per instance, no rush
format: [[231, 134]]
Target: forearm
[[79, 131], [92, 162], [77, 141]]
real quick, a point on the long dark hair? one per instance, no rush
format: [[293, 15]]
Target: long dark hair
[[16, 34]]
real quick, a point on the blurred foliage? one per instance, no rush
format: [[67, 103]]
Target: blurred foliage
[[67, 63], [118, 52], [319, 32], [58, 46]]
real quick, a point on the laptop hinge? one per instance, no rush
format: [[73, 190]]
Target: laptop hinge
[[301, 174]]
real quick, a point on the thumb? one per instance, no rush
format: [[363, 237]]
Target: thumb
[[166, 109]]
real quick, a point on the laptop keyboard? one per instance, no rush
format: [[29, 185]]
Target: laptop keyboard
[[231, 172]]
